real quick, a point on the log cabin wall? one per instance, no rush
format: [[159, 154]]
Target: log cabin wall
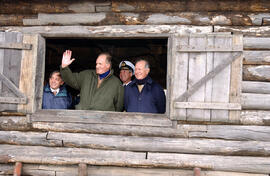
[[77, 142]]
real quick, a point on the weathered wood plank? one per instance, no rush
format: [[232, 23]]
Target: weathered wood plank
[[29, 82], [179, 74], [201, 105], [30, 154], [15, 123], [213, 162], [71, 170], [256, 43], [196, 71], [256, 57], [13, 100], [159, 144], [231, 132], [2, 38], [60, 155], [256, 73], [111, 31], [236, 80], [11, 86], [255, 101], [255, 117], [251, 31], [256, 87], [80, 116], [109, 129], [15, 46], [27, 138]]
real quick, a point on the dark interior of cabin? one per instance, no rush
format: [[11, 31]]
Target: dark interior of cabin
[[85, 51]]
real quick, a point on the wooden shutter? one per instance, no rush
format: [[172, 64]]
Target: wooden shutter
[[21, 71], [205, 78]]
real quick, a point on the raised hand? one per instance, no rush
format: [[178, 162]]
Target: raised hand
[[66, 59]]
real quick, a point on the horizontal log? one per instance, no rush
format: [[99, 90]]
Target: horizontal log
[[54, 155], [109, 129], [231, 132], [110, 31], [228, 132], [256, 73], [158, 144], [27, 138], [21, 123], [251, 31], [211, 162], [255, 101], [256, 43], [256, 57], [16, 46], [255, 117], [71, 170], [80, 116], [256, 87], [199, 105]]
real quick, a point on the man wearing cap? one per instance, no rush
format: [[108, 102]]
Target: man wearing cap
[[143, 94], [99, 89], [126, 72]]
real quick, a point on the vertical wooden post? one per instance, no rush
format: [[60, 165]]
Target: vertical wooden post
[[197, 171], [17, 169], [82, 169]]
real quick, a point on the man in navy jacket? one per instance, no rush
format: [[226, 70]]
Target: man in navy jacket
[[143, 94], [55, 95]]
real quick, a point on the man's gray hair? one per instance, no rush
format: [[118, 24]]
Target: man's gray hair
[[147, 65]]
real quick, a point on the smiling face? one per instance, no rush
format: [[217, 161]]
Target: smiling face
[[55, 80], [125, 75], [102, 65], [140, 71]]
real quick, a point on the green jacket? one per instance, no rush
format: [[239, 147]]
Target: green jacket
[[108, 97]]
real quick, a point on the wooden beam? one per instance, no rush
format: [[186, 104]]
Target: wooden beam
[[256, 73], [256, 87], [254, 57], [82, 169], [13, 100], [159, 144], [69, 156], [21, 46], [84, 116], [17, 169], [205, 105], [254, 101]]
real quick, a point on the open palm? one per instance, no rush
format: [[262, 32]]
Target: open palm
[[66, 59]]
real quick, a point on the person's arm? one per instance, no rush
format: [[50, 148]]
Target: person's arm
[[160, 100], [120, 99]]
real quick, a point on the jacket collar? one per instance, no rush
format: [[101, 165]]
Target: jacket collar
[[149, 81]]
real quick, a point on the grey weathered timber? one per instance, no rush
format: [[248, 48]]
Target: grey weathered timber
[[81, 116], [255, 117], [54, 155], [21, 123], [71, 170], [111, 31], [11, 71], [251, 31], [211, 162], [2, 38], [199, 64], [256, 87], [130, 130], [60, 155], [255, 101], [159, 144], [256, 57], [230, 132], [256, 43], [199, 105], [15, 46], [27, 138], [256, 72], [32, 72]]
